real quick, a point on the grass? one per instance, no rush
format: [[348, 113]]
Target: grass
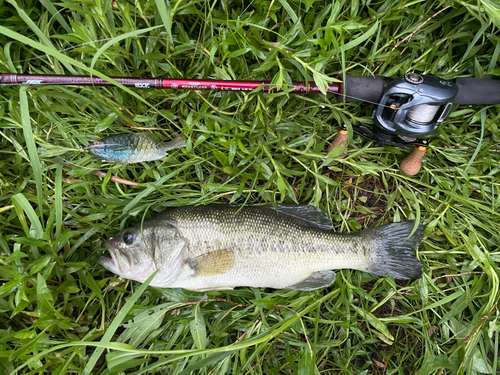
[[60, 312]]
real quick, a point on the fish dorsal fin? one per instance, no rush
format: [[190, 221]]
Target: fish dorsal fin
[[315, 281], [312, 216], [213, 263], [149, 136]]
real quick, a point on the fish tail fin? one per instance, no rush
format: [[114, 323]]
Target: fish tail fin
[[392, 248], [177, 142]]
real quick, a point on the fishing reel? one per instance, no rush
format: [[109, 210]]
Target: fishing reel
[[411, 107]]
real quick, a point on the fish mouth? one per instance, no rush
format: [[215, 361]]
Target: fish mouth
[[119, 263]]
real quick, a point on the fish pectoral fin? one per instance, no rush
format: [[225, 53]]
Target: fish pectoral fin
[[315, 281], [213, 263]]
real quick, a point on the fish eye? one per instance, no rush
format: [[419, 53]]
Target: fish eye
[[128, 238]]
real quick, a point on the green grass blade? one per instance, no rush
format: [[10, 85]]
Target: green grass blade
[[209, 360], [52, 9], [444, 300], [166, 17], [198, 328], [480, 141], [289, 10], [23, 204], [362, 38], [58, 204], [29, 138], [478, 35]]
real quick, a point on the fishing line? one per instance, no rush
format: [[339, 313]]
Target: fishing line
[[423, 113], [271, 85], [40, 57], [117, 145]]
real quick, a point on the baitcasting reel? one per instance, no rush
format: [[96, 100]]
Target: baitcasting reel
[[411, 107]]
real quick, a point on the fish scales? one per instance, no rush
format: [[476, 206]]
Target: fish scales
[[252, 230], [224, 246]]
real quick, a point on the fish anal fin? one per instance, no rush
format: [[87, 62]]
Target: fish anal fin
[[315, 281], [213, 263]]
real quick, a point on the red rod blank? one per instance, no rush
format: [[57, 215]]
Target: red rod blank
[[158, 83]]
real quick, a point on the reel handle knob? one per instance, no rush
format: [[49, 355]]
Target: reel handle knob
[[340, 140], [410, 166]]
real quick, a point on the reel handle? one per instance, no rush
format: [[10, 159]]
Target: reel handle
[[340, 140], [411, 165]]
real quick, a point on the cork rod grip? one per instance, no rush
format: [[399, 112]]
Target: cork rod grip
[[340, 141], [411, 165]]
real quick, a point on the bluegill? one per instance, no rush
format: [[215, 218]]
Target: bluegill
[[130, 148], [226, 246]]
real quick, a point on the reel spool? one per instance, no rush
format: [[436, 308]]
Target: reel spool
[[412, 106]]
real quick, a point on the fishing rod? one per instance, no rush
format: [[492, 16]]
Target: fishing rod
[[405, 108]]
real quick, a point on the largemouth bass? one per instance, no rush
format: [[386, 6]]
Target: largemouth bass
[[133, 148], [226, 246]]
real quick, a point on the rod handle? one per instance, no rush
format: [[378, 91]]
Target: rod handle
[[411, 165], [340, 140]]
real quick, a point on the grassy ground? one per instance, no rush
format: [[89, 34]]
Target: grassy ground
[[60, 312]]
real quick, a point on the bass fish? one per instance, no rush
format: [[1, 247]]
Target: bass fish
[[288, 247], [130, 148]]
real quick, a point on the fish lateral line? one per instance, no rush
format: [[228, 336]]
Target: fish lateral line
[[114, 146]]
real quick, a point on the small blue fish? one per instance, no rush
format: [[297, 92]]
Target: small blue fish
[[130, 148]]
